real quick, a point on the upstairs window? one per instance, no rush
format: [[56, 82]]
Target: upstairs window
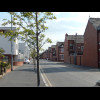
[[82, 48], [61, 57], [61, 50], [71, 46]]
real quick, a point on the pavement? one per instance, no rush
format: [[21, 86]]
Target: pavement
[[23, 76], [8, 70]]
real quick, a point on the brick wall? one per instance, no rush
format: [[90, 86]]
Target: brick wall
[[90, 55], [57, 53], [18, 63], [71, 59], [79, 60], [66, 50]]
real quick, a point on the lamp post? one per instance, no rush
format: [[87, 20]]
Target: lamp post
[[11, 48], [75, 49]]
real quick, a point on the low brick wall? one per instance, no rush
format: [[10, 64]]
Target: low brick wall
[[8, 70], [79, 60], [82, 60], [18, 63], [71, 59]]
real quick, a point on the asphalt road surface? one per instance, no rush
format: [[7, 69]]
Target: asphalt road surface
[[59, 74]]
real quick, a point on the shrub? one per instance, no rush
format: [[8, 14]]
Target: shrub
[[4, 64]]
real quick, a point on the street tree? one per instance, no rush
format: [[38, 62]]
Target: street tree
[[32, 46]]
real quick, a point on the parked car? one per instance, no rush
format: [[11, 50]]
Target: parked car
[[27, 61]]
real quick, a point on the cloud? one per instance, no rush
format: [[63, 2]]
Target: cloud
[[56, 13]]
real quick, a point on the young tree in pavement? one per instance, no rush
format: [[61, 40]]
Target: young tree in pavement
[[42, 42]]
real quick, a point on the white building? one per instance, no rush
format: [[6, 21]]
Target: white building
[[6, 44], [23, 49]]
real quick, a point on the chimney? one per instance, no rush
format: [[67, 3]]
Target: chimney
[[66, 34], [76, 34]]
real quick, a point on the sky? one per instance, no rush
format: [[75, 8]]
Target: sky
[[66, 22]]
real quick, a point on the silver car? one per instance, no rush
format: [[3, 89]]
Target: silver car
[[27, 61]]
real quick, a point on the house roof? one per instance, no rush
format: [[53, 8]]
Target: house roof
[[78, 38], [60, 43], [95, 22], [53, 46], [49, 48]]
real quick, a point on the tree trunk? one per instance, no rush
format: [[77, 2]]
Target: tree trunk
[[38, 72], [34, 63]]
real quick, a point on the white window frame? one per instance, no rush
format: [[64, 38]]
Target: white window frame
[[61, 58], [62, 50], [82, 48]]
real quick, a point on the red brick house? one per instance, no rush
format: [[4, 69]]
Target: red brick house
[[73, 46], [49, 53], [44, 55], [53, 53], [60, 51], [91, 55]]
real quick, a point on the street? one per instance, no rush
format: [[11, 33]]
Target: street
[[52, 74], [59, 74]]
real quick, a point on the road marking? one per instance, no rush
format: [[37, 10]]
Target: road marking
[[45, 79]]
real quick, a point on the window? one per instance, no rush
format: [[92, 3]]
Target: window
[[82, 47], [62, 50], [54, 53], [61, 57], [78, 47], [71, 46]]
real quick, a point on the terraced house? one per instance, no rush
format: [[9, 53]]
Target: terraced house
[[53, 51], [60, 51], [73, 46], [49, 53], [91, 55], [80, 49]]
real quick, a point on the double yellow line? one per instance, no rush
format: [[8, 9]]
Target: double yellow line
[[45, 79]]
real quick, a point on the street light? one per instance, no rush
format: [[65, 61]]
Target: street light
[[11, 48], [75, 49]]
